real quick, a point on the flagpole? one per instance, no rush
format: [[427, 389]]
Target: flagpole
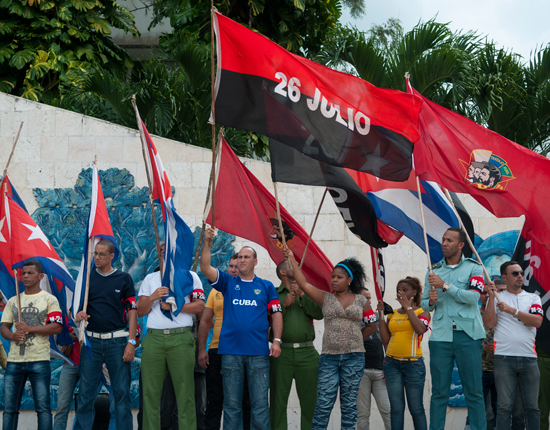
[[279, 215], [87, 290], [144, 152], [18, 295], [212, 88], [13, 149], [487, 277], [424, 225], [203, 227], [312, 228]]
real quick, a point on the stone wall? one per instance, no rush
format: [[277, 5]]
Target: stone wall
[[55, 145]]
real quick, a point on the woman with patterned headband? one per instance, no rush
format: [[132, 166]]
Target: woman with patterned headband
[[343, 356], [404, 368]]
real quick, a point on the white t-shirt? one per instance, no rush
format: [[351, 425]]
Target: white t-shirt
[[156, 319], [513, 337]]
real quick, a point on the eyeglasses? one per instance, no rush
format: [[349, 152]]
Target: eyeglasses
[[516, 273], [100, 254]]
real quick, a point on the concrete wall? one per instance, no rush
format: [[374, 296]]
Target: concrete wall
[[56, 144]]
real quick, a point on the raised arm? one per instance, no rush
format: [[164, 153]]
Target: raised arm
[[490, 315], [206, 268], [313, 293]]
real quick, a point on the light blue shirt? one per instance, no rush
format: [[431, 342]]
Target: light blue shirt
[[458, 303]]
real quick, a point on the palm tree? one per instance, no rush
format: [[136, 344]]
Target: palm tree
[[457, 70]]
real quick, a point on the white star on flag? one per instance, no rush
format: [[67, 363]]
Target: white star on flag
[[37, 233]]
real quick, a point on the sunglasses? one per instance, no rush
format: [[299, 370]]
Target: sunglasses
[[516, 273]]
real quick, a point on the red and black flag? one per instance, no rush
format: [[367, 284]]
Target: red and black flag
[[534, 258], [292, 167], [245, 208], [328, 115]]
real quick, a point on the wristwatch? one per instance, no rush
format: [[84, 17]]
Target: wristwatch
[[132, 342], [446, 286], [278, 340], [409, 308], [516, 315]]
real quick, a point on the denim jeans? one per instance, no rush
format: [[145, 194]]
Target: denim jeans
[[342, 371], [257, 373], [15, 378], [67, 383], [110, 352], [522, 372], [406, 377]]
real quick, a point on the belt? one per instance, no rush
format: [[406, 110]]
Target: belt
[[456, 328], [168, 330], [403, 358], [297, 344], [110, 335]]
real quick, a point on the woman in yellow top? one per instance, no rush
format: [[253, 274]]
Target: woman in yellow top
[[404, 368]]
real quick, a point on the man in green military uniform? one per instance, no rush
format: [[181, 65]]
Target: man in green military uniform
[[299, 360], [452, 292]]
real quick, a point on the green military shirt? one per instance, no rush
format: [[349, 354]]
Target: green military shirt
[[298, 318], [458, 304]]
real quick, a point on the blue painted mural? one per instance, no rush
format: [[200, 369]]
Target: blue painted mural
[[493, 251], [63, 215]]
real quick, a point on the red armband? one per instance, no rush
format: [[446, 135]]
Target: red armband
[[476, 284], [55, 317], [274, 306], [130, 303], [536, 310], [369, 316], [198, 294], [425, 321]]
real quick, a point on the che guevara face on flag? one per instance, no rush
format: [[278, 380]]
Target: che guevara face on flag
[[328, 115], [487, 170]]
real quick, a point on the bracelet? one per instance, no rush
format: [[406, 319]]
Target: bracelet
[[278, 340], [409, 308]]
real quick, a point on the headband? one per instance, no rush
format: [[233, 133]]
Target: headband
[[347, 269]]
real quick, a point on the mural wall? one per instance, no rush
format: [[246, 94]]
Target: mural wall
[[63, 215]]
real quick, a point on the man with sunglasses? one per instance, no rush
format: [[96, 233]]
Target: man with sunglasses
[[515, 319], [111, 306]]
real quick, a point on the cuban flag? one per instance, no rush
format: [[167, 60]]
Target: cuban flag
[[179, 240], [21, 240], [397, 204], [97, 229]]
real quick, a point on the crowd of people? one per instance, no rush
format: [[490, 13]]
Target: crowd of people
[[263, 341]]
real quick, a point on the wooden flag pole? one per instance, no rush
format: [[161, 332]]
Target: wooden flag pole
[[213, 89], [18, 294], [13, 149], [279, 215], [312, 227], [144, 152], [203, 227], [487, 277], [87, 290], [424, 225]]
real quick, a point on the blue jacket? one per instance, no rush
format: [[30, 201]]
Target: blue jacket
[[459, 303]]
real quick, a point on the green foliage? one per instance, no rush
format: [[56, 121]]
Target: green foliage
[[300, 26], [172, 94], [50, 43]]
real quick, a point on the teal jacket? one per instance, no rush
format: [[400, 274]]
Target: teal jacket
[[458, 303]]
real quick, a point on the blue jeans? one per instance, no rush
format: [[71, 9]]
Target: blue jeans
[[15, 378], [409, 377], [342, 371], [257, 373], [522, 372], [67, 383], [110, 352]]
